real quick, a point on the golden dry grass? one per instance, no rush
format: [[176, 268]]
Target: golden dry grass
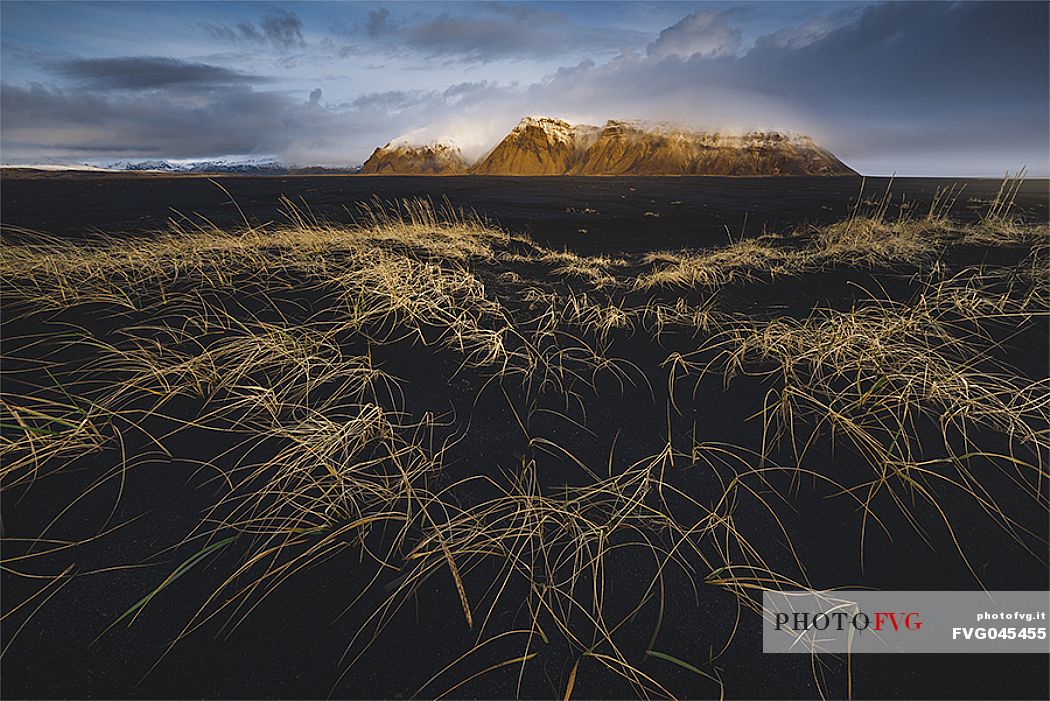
[[345, 459]]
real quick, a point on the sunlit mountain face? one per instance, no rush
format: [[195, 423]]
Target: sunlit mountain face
[[551, 146], [914, 88]]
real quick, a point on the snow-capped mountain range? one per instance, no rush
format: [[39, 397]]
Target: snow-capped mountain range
[[551, 146], [221, 166], [218, 166]]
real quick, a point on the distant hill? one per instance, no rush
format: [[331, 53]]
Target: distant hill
[[159, 167], [549, 146]]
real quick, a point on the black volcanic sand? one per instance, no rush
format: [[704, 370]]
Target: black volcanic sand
[[291, 646], [693, 211]]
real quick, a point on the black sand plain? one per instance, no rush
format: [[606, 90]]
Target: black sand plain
[[295, 641], [694, 211]]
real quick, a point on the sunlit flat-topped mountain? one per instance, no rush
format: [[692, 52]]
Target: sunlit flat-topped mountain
[[550, 146], [399, 158]]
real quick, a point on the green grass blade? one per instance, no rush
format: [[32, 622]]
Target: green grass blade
[[182, 569], [30, 429], [675, 660]]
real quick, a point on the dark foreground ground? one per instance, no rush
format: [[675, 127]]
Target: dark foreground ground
[[693, 211], [293, 643]]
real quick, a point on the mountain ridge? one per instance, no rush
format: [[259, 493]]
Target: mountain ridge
[[539, 146]]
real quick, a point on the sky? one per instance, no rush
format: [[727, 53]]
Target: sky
[[915, 88]]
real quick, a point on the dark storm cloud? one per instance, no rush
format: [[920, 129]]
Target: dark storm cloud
[[938, 54], [279, 28], [146, 72], [231, 120], [491, 31]]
